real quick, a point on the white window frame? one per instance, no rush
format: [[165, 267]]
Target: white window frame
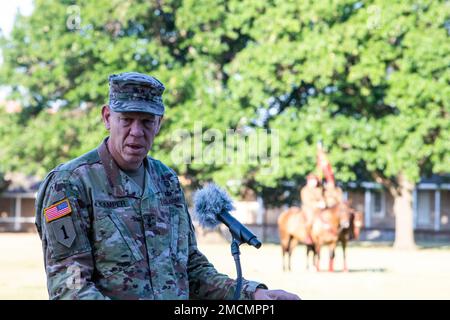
[[382, 213]]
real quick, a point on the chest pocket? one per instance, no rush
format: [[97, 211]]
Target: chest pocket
[[115, 249], [179, 232], [162, 226]]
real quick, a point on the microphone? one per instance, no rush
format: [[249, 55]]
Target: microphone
[[212, 206]]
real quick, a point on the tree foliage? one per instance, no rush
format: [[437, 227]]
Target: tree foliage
[[369, 79]]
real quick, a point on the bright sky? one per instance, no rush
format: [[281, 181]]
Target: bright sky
[[8, 10]]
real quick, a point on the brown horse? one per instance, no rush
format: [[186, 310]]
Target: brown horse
[[324, 231], [292, 229], [350, 227]]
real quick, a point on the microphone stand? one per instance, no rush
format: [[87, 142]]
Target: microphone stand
[[235, 252]]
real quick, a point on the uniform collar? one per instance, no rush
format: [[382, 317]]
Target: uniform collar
[[113, 172]]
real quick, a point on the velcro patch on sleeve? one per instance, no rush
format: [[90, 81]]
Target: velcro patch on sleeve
[[57, 210]]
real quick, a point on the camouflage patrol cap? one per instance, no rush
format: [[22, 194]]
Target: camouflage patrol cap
[[135, 92]]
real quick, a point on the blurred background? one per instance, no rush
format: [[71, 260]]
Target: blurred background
[[361, 84]]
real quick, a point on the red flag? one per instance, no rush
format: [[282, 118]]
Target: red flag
[[323, 165]]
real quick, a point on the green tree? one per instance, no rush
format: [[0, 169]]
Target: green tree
[[3, 183], [370, 79], [48, 139], [60, 57]]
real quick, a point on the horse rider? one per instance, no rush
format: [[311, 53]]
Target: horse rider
[[312, 201], [333, 194]]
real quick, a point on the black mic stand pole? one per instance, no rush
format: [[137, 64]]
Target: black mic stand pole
[[235, 252]]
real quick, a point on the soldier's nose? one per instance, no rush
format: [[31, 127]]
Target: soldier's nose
[[137, 129]]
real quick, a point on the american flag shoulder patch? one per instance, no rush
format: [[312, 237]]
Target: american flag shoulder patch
[[57, 210]]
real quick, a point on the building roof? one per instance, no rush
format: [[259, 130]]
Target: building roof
[[21, 183], [438, 179]]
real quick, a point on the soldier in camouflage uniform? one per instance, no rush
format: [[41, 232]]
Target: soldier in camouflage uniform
[[114, 222]]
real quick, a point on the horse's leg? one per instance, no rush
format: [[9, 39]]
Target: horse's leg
[[344, 245], [332, 249], [308, 249], [292, 244], [317, 256], [288, 250], [284, 249]]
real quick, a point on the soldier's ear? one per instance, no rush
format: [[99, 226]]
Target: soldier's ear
[[106, 115], [159, 124]]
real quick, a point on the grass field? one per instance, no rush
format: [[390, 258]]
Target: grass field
[[375, 272]]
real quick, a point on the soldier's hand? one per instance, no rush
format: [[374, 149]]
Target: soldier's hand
[[263, 294]]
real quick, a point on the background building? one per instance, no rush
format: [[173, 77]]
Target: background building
[[431, 204]]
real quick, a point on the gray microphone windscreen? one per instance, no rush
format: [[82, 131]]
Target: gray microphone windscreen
[[209, 202]]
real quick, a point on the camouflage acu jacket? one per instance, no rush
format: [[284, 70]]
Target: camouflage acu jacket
[[103, 238]]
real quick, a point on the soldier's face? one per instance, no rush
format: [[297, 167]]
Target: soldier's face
[[131, 136]]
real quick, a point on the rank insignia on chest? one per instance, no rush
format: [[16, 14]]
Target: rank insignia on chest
[[57, 210]]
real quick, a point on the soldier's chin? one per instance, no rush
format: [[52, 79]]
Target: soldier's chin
[[134, 157]]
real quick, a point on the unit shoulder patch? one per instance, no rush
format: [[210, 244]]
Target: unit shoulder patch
[[64, 231]]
